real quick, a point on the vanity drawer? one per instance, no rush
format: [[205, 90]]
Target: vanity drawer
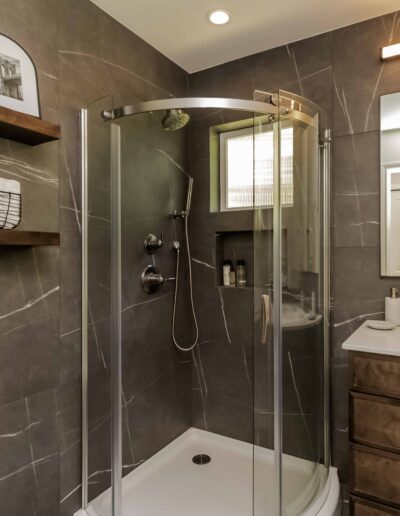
[[362, 507], [376, 475], [375, 421], [376, 374]]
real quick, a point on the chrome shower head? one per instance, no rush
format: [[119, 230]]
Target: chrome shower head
[[175, 119]]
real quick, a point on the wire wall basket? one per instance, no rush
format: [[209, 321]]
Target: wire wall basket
[[10, 210]]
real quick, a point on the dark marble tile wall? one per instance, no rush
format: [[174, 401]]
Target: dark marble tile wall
[[81, 54], [341, 72], [222, 376]]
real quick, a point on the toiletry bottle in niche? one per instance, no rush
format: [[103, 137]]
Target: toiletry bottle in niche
[[241, 273], [392, 306], [226, 269], [232, 277]]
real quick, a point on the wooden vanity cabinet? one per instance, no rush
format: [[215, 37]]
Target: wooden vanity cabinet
[[375, 434]]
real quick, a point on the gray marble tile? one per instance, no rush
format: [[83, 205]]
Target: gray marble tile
[[164, 406], [359, 75], [358, 289], [79, 26], [17, 493]]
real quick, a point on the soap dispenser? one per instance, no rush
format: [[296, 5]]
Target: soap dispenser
[[392, 306]]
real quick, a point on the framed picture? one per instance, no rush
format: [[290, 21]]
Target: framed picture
[[18, 78]]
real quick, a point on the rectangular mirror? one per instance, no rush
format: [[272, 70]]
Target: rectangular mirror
[[390, 184]]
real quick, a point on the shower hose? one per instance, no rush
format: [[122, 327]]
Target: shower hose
[[178, 346]]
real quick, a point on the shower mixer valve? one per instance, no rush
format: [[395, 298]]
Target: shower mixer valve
[[152, 279]]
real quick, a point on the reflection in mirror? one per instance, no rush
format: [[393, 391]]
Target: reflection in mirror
[[390, 185]]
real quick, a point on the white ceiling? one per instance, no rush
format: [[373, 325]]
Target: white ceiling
[[179, 29]]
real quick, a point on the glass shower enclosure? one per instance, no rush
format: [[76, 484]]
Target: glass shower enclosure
[[173, 192]]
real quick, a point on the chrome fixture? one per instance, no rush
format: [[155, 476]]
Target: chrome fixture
[[175, 119], [179, 214], [152, 279], [183, 214], [152, 243]]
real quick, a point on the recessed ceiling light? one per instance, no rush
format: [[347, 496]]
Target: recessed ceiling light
[[219, 16]]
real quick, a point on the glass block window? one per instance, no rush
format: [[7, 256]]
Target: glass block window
[[239, 151]]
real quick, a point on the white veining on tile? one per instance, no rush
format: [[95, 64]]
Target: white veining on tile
[[25, 171], [223, 315], [203, 401], [49, 75], [352, 194], [203, 263], [30, 443], [357, 318], [141, 303], [39, 279], [70, 332], [299, 402], [70, 493], [343, 105], [99, 347], [31, 303], [292, 57], [26, 467], [202, 370], [108, 470], [114, 65], [127, 425], [20, 432], [365, 222], [72, 190], [171, 159], [246, 367], [95, 217], [368, 113]]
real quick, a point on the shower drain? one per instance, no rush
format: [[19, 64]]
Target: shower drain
[[201, 459]]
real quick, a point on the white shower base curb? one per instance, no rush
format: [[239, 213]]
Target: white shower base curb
[[222, 488]]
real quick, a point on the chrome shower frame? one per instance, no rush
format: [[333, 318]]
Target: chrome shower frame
[[294, 110]]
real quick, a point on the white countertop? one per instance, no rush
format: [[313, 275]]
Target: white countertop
[[367, 340]]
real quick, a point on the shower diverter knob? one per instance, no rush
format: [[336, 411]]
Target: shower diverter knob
[[152, 243]]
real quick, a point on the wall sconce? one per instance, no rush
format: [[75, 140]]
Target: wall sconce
[[390, 52]]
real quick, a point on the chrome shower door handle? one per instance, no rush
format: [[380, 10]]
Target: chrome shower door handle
[[266, 317]]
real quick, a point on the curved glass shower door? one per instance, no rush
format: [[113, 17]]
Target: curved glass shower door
[[291, 300], [180, 194], [178, 405], [303, 334]]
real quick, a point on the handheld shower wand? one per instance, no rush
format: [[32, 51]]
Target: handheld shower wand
[[176, 246]]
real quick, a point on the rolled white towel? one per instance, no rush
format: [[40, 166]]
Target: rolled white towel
[[10, 186]]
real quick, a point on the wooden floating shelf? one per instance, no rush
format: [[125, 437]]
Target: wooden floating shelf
[[25, 128], [28, 238]]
